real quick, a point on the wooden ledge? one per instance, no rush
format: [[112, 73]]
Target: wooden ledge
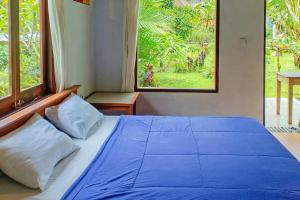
[[113, 98], [17, 119]]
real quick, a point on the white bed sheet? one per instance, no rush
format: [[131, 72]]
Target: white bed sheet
[[66, 172]]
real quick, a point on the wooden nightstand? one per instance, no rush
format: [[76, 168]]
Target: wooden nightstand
[[113, 103]]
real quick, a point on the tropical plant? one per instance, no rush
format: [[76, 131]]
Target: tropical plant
[[151, 17], [285, 15], [183, 22], [29, 43], [208, 12], [173, 39], [3, 48], [29, 17]]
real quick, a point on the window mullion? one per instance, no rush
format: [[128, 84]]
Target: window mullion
[[14, 50], [43, 22]]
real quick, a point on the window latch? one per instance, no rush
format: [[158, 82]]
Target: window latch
[[19, 103]]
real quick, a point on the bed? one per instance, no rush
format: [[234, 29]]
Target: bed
[[152, 157], [66, 172]]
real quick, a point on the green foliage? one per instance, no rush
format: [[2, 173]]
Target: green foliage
[[168, 4], [29, 23], [183, 25], [4, 18], [3, 57], [283, 46], [4, 83], [287, 62], [175, 39], [4, 48], [285, 17], [29, 43]]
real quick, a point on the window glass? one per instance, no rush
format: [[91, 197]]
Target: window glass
[[177, 44], [4, 44], [30, 40]]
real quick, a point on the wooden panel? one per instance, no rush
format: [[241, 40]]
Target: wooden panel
[[296, 81], [278, 97], [113, 98], [32, 93], [282, 78], [111, 102], [14, 49], [6, 105], [290, 104], [44, 32], [16, 96], [291, 78], [38, 90], [17, 119]]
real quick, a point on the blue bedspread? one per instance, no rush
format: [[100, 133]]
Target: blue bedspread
[[183, 158]]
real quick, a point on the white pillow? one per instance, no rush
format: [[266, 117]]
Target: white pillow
[[29, 154], [74, 116]]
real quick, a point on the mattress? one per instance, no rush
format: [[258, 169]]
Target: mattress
[[66, 172], [171, 158]]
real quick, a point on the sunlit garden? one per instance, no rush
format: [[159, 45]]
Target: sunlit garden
[[29, 28], [176, 44], [283, 42]]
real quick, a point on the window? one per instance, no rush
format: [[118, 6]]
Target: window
[[23, 38], [30, 40], [4, 70], [178, 45]]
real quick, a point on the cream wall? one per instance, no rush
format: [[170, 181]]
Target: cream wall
[[79, 39], [108, 18], [241, 63]]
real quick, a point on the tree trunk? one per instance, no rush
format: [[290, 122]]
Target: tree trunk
[[297, 60]]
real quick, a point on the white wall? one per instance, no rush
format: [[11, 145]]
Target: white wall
[[108, 19], [241, 67], [79, 38]]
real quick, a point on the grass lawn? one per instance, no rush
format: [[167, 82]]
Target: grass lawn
[[287, 65], [190, 80], [195, 80]]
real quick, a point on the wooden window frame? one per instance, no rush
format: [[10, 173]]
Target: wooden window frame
[[193, 90], [18, 98]]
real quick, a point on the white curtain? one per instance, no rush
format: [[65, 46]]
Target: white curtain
[[131, 9], [57, 32]]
